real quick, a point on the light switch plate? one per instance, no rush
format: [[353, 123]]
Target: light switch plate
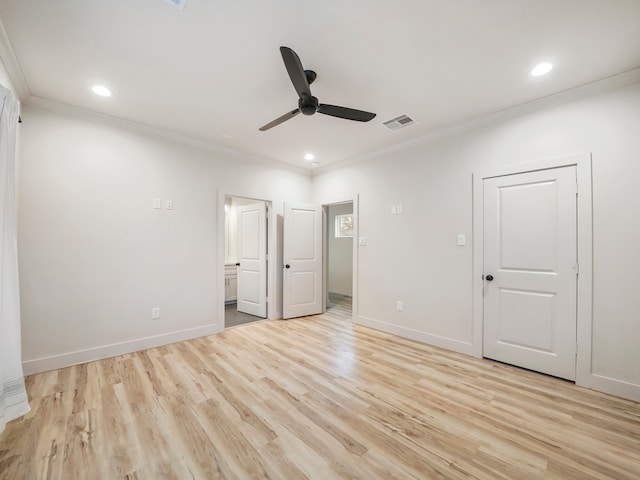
[[393, 210], [362, 241], [462, 239], [157, 203], [399, 208]]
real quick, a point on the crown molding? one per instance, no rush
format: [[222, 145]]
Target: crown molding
[[100, 118], [539, 104], [10, 61]]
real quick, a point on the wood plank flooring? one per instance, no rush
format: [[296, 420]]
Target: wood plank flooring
[[317, 398]]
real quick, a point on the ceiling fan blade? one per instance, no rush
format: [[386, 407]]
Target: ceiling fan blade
[[344, 112], [280, 120], [296, 72]]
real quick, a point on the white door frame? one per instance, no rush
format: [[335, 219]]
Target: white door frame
[[325, 250], [272, 271], [353, 199], [582, 161]]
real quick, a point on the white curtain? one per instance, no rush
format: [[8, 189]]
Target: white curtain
[[13, 396]]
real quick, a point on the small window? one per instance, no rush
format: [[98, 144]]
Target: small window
[[344, 225]]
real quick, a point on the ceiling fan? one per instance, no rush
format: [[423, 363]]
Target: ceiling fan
[[307, 103]]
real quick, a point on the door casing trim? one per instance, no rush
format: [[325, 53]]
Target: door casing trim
[[272, 312], [584, 321], [352, 198]]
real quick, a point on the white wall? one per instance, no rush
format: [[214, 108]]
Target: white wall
[[4, 78], [340, 253], [413, 257], [95, 257]]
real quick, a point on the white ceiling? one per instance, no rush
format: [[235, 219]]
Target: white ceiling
[[213, 71]]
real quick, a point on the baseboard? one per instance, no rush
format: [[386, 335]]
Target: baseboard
[[599, 383], [428, 338], [63, 360], [612, 386]]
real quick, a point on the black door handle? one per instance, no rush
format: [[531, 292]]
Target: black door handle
[[287, 266], [489, 278], [238, 264]]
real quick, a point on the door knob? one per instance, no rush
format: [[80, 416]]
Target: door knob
[[489, 278], [287, 266], [238, 264]]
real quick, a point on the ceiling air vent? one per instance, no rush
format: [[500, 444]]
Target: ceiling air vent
[[399, 122], [177, 3]]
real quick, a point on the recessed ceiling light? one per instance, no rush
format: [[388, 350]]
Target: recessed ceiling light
[[101, 90], [541, 69], [309, 156], [315, 164]]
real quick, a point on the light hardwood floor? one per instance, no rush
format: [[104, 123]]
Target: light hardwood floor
[[315, 398]]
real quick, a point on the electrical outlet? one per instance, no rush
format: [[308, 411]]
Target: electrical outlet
[[400, 305], [155, 313], [168, 204]]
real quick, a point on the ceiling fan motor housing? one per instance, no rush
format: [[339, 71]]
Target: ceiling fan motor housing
[[308, 106], [311, 76]]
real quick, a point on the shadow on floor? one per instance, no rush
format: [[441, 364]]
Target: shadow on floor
[[233, 318]]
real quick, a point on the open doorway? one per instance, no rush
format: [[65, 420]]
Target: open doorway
[[339, 246], [246, 254]]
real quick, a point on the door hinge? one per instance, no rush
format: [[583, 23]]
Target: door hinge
[[576, 349], [577, 189], [576, 267]]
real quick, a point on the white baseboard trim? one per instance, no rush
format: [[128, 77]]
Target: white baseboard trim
[[612, 386], [599, 383], [424, 337], [63, 360]]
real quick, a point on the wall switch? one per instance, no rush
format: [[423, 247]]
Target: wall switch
[[168, 204], [157, 203], [362, 241], [400, 305], [462, 239], [155, 313], [394, 210], [399, 208]]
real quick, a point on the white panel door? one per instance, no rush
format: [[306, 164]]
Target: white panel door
[[302, 245], [252, 259], [530, 284]]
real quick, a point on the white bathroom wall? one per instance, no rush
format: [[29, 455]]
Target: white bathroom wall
[[413, 256], [95, 257]]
